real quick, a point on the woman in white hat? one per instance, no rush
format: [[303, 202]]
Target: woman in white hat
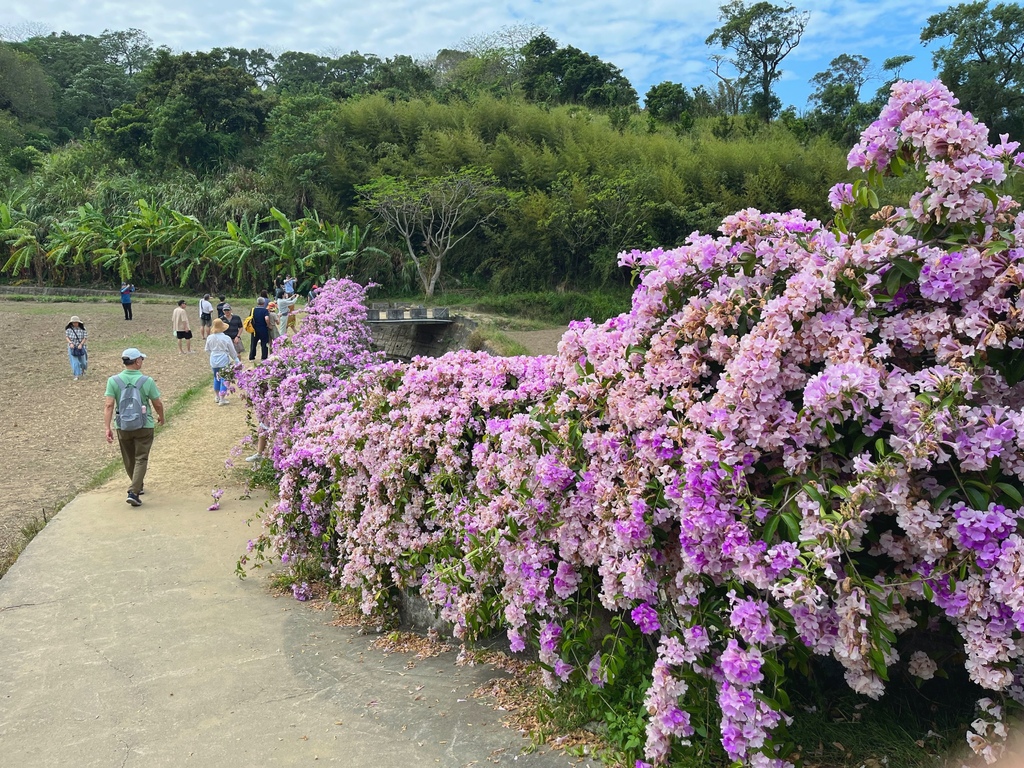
[[76, 335]]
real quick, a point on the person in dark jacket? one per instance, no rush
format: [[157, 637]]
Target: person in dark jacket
[[234, 323], [261, 329]]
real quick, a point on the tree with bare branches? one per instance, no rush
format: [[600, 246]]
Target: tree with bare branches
[[433, 215]]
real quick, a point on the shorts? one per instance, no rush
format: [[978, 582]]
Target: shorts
[[184, 334], [205, 320]]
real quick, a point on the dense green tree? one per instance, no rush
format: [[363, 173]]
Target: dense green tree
[[259, 63], [400, 77], [844, 70], [667, 102], [761, 36], [570, 76], [25, 92], [294, 155], [838, 111], [129, 49], [982, 61], [297, 72], [195, 111], [91, 76], [594, 218]]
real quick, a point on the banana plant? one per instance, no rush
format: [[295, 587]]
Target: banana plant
[[21, 236], [186, 241], [73, 240], [240, 250]]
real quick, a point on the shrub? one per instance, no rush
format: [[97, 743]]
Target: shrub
[[799, 443]]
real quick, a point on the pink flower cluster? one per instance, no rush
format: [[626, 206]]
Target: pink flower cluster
[[797, 441]]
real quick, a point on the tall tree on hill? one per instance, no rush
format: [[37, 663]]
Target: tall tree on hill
[[90, 76], [24, 90], [760, 36], [983, 61], [838, 110], [667, 102], [570, 76], [196, 110], [498, 57]]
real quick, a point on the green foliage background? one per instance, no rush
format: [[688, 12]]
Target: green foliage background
[[223, 169]]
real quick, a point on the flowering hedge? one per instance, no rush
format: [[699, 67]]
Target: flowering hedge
[[803, 440]]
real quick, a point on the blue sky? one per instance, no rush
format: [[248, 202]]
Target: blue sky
[[650, 40]]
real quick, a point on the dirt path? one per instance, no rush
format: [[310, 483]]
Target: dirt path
[[53, 425]]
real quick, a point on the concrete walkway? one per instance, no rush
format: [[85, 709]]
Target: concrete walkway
[[127, 640]]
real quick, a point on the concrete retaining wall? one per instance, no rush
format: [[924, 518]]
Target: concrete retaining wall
[[409, 339]]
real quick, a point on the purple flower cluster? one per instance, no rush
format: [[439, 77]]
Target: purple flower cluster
[[780, 403]]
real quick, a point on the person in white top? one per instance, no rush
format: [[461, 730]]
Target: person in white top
[[286, 308], [205, 316], [222, 353]]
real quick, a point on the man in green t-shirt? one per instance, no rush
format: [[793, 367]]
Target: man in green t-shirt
[[135, 444]]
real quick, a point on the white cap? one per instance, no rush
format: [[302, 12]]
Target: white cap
[[132, 354]]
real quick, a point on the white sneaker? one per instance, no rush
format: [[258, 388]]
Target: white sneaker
[[223, 401], [76, 378], [217, 399], [254, 457]]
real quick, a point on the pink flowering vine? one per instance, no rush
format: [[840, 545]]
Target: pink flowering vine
[[798, 442]]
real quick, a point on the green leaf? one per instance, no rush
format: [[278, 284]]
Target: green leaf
[[991, 194], [978, 499], [893, 281], [792, 524], [1012, 492], [908, 268]]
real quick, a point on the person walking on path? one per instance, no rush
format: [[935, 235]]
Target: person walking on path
[[222, 353], [127, 289], [273, 321], [205, 316], [76, 335], [222, 300], [286, 308], [135, 441], [179, 323], [234, 323], [261, 330]]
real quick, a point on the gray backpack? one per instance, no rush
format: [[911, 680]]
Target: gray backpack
[[131, 413]]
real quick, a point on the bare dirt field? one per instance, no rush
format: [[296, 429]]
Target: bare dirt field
[[52, 425]]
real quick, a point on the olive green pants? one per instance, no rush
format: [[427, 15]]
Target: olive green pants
[[135, 447]]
